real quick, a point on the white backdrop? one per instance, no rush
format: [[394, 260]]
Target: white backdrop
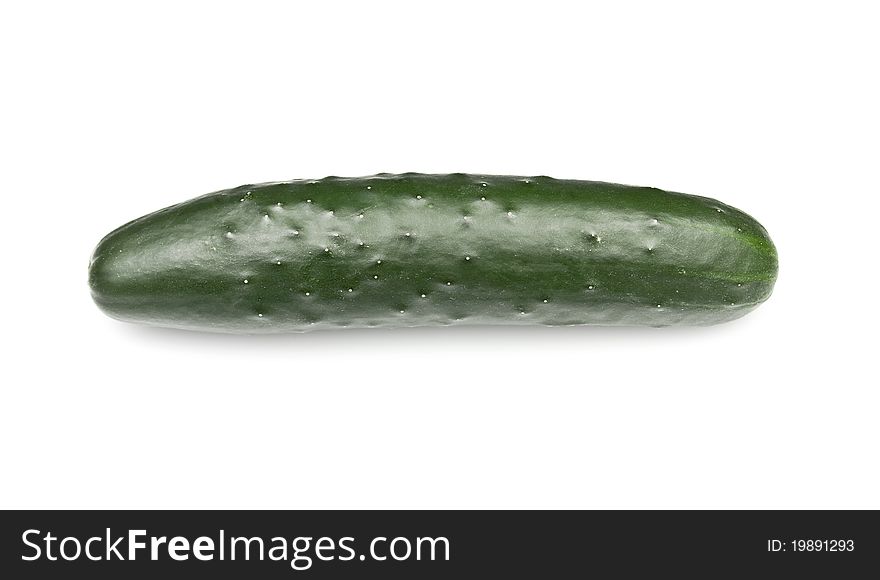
[[111, 110]]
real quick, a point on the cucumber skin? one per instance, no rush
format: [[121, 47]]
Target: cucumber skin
[[416, 250]]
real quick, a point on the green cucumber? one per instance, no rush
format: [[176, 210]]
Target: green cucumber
[[414, 250]]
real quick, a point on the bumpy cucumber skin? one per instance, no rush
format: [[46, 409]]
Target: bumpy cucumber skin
[[415, 250]]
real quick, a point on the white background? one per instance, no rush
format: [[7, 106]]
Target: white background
[[114, 109]]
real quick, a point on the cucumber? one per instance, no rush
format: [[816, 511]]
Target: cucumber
[[414, 250]]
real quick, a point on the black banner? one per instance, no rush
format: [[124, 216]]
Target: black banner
[[437, 544]]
